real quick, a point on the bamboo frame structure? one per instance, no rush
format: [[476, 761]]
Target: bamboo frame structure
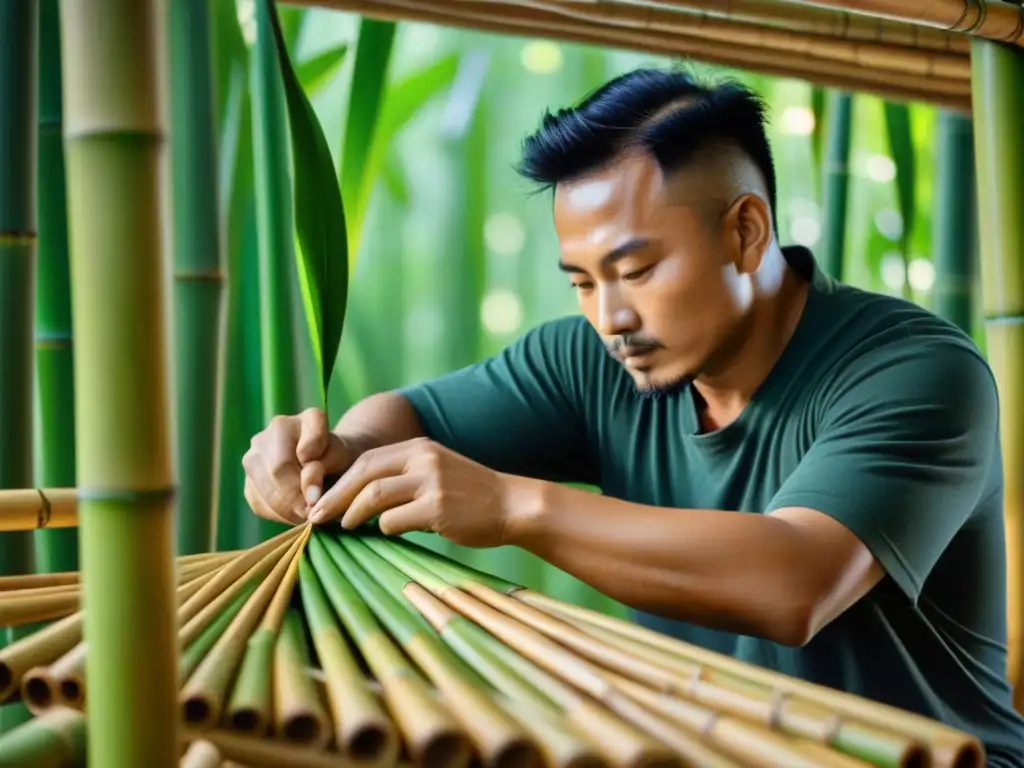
[[314, 648]]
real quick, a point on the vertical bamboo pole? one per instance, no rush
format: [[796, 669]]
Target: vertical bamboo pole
[[954, 220], [198, 274], [274, 219], [18, 108], [115, 123], [57, 549], [837, 182], [997, 72]]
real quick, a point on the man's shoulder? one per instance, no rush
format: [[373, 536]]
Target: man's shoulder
[[566, 339]]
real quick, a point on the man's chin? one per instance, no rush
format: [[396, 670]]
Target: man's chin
[[648, 384]]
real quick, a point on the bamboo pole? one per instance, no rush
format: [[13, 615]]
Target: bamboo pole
[[672, 23], [18, 241], [991, 19], [999, 149], [510, 21], [112, 63], [24, 509], [837, 182], [198, 273], [954, 221], [56, 550]]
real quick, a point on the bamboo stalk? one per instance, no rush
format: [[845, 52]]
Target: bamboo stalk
[[198, 272], [55, 739], [18, 243], [993, 19], [999, 152], [254, 752], [299, 715], [431, 734], [250, 707], [498, 738], [896, 86], [202, 697], [50, 642], [671, 23], [56, 550], [201, 754], [837, 182], [25, 508], [114, 145], [197, 649]]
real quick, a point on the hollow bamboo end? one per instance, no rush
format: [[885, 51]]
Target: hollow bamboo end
[[72, 691], [443, 749], [518, 753], [199, 710], [248, 720], [304, 728], [39, 690], [6, 681]]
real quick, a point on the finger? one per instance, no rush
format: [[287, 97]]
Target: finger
[[386, 461], [259, 506], [274, 493], [417, 515], [379, 496], [312, 482], [314, 435]]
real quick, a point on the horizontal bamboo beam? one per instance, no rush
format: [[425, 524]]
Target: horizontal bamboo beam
[[672, 22], [991, 19], [819, 21], [504, 19], [31, 508]]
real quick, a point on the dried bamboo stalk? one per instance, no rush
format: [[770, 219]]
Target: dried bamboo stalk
[[665, 22], [992, 19], [31, 508], [953, 94]]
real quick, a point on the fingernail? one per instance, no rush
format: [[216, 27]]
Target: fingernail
[[313, 494]]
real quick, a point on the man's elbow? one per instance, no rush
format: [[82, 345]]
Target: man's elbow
[[794, 627]]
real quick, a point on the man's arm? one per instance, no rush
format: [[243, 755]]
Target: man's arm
[[906, 451], [382, 419]]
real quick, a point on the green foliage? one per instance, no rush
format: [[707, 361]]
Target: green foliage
[[319, 219], [901, 143]]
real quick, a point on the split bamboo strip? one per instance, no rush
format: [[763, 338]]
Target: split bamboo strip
[[193, 654], [429, 731], [201, 754], [299, 714], [250, 707], [991, 19], [663, 22], [114, 99], [534, 689], [999, 152], [202, 698], [954, 94], [947, 747], [56, 739], [701, 679], [498, 738], [820, 21]]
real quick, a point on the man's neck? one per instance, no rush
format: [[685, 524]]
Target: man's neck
[[729, 387]]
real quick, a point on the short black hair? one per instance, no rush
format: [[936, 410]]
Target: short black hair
[[637, 110]]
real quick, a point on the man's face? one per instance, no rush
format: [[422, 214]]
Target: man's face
[[655, 268]]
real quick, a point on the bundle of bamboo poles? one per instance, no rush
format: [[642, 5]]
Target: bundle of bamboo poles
[[319, 647]]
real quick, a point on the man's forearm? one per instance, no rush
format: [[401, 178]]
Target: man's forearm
[[382, 419], [725, 570]]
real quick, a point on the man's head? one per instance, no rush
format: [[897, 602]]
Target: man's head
[[664, 199]]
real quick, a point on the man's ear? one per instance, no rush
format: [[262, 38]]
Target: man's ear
[[748, 223]]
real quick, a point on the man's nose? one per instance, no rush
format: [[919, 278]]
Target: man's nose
[[614, 316]]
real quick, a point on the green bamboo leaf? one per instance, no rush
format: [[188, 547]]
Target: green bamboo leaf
[[319, 219], [901, 144], [394, 179], [315, 72]]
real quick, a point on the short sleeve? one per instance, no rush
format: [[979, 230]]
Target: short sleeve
[[908, 448], [519, 411]]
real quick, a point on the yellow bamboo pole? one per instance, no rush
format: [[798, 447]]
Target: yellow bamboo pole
[[991, 19], [999, 149], [952, 93], [115, 123]]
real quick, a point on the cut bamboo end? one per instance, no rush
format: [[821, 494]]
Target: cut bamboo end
[[201, 754]]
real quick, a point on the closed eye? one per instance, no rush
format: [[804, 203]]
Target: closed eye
[[637, 274]]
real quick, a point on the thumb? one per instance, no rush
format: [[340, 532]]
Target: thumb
[[334, 461]]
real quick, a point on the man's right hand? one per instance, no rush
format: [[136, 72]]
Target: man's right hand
[[286, 464]]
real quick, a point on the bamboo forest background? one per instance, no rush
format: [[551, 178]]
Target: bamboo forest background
[[450, 257]]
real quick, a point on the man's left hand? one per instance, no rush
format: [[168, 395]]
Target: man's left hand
[[419, 485]]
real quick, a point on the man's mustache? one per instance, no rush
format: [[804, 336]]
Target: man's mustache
[[621, 347]]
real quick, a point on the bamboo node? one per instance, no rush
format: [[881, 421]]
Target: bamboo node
[[128, 495], [8, 237], [45, 510], [775, 707]]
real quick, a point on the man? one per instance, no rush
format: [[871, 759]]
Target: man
[[796, 472]]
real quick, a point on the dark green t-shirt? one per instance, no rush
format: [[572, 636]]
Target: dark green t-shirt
[[878, 413]]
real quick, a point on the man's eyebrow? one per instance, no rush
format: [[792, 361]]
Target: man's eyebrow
[[619, 252]]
